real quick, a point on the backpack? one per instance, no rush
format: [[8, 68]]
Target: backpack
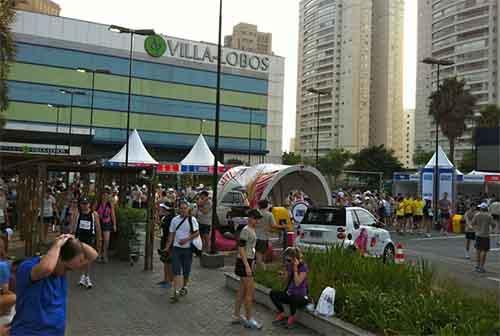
[[326, 302], [196, 243]]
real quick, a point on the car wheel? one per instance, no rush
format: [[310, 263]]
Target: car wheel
[[389, 254]]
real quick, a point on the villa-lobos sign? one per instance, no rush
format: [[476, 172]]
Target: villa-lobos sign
[[157, 46]]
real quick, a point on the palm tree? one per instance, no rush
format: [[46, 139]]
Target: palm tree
[[451, 105], [490, 117], [7, 51]]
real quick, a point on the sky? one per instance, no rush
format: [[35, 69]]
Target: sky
[[198, 20]]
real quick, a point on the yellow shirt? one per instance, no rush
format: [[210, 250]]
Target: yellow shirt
[[408, 205], [418, 207], [401, 209]]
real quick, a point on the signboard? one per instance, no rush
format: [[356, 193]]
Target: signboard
[[40, 149], [299, 210], [168, 168], [157, 46], [445, 183]]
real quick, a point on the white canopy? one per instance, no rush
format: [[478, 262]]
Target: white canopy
[[200, 155], [137, 153], [443, 160]]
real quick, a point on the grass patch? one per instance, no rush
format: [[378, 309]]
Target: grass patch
[[394, 299]]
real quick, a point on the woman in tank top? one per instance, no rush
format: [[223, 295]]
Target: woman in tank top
[[107, 219]]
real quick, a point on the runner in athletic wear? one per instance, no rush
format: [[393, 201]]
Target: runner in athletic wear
[[88, 231], [445, 208], [107, 219]]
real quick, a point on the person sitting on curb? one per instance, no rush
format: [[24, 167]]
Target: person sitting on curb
[[295, 294]]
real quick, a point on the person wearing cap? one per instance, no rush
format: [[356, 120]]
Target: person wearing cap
[[167, 213], [482, 223], [107, 220], [244, 269], [495, 213], [87, 229], [470, 234]]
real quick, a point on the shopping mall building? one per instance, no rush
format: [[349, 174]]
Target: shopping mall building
[[173, 93]]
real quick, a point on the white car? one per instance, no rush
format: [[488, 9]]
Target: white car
[[323, 227]]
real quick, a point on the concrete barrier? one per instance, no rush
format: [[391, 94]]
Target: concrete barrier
[[320, 324]]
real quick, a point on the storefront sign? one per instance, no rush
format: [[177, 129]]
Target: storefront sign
[[14, 147], [157, 46]]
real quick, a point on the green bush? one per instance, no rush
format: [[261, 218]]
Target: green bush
[[126, 219], [393, 299]]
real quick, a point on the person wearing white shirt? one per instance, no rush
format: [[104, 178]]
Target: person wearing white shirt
[[183, 230]]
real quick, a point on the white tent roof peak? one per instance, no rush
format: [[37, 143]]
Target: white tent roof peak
[[200, 154], [137, 153], [443, 160]]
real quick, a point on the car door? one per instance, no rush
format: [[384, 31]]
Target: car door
[[368, 221]]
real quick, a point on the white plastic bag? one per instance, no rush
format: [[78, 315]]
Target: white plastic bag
[[326, 302]]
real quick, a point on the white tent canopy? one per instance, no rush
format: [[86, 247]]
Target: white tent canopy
[[137, 153], [200, 155], [443, 160]]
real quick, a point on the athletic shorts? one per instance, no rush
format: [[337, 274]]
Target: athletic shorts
[[408, 215], [239, 268], [482, 244], [48, 220], [470, 235], [87, 239], [107, 226], [182, 258], [417, 218], [261, 246], [205, 229], [445, 215]]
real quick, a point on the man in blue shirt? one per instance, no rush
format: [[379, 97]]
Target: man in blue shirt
[[41, 288]]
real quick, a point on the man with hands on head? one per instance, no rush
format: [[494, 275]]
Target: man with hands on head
[[41, 287]]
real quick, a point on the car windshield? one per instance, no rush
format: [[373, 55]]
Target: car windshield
[[325, 217]]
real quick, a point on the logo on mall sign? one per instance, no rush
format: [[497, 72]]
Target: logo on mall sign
[[157, 46]]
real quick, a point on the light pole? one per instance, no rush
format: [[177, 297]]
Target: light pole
[[260, 146], [475, 120], [202, 122], [250, 138], [58, 108], [213, 249], [93, 72], [438, 62], [132, 32], [319, 93], [72, 95]]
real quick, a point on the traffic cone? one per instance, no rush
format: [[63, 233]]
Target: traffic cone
[[400, 254]]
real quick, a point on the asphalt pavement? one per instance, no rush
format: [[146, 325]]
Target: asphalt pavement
[[447, 255]]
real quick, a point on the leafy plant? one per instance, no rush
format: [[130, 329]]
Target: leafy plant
[[391, 299], [291, 158], [376, 158]]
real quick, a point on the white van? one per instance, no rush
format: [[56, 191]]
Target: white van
[[323, 227]]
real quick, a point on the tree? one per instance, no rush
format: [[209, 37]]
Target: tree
[[291, 158], [421, 157], [450, 107], [376, 159], [7, 51], [490, 117], [333, 163], [467, 163]]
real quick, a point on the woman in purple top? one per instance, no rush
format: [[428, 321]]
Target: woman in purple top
[[295, 294]]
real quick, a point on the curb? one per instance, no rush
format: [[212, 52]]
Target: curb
[[320, 324]]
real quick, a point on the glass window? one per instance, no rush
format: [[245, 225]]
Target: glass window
[[365, 218]]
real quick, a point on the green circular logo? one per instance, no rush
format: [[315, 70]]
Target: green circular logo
[[155, 45]]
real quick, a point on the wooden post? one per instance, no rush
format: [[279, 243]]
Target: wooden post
[[149, 243]]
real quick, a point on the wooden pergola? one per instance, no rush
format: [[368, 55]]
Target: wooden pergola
[[33, 172]]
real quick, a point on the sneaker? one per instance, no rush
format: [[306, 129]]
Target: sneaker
[[428, 235], [238, 319], [88, 283], [481, 270], [83, 281], [477, 269], [291, 322], [160, 283], [166, 285], [183, 291], [280, 318], [175, 297], [252, 324], [467, 256]]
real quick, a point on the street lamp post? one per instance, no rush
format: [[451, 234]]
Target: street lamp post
[[213, 249], [58, 108], [202, 122], [132, 32], [475, 120], [72, 94], [260, 144], [250, 138], [438, 62], [93, 72], [319, 93]]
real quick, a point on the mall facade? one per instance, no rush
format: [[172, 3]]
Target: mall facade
[[173, 93]]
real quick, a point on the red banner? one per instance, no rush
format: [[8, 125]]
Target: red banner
[[168, 168]]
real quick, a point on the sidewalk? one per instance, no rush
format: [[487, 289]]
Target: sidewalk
[[125, 301]]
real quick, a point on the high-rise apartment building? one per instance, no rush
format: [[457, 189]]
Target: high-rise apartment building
[[336, 56], [39, 6], [467, 33], [247, 37], [408, 130]]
